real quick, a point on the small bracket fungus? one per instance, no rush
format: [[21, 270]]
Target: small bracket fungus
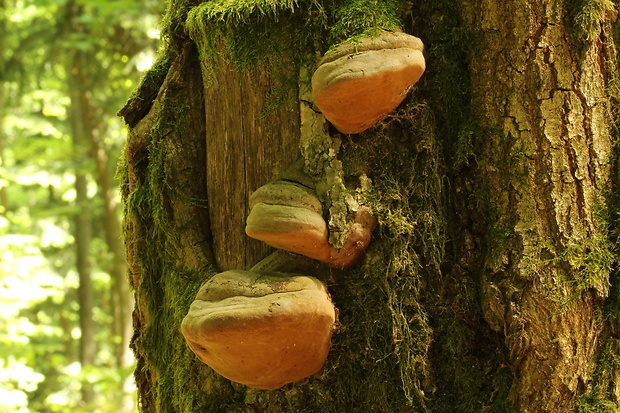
[[263, 330], [289, 216], [358, 84]]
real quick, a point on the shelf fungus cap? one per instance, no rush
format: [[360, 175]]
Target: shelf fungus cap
[[289, 216], [358, 84], [263, 330]]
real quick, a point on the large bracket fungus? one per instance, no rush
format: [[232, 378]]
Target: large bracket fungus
[[358, 84], [263, 330]]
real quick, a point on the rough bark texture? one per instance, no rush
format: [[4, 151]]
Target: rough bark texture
[[168, 248], [542, 96], [487, 283]]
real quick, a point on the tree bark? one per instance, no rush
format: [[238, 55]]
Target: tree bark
[[542, 97], [487, 283]]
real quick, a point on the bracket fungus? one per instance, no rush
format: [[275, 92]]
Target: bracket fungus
[[289, 216], [263, 330], [358, 84]]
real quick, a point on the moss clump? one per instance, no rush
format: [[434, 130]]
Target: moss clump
[[363, 18], [591, 261], [271, 33], [600, 396], [263, 31], [587, 17]]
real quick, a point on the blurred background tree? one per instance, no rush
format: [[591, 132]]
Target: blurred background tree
[[66, 67]]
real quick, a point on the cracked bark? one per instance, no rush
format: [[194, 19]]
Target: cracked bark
[[543, 99]]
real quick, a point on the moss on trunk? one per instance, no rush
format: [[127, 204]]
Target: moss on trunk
[[424, 321]]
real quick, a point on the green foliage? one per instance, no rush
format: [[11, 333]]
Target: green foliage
[[587, 17], [39, 339]]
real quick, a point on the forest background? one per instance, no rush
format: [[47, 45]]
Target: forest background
[[66, 67]]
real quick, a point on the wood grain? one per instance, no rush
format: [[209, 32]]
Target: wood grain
[[244, 151]]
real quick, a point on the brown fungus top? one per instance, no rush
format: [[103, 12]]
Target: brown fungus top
[[263, 330], [289, 216], [358, 84]]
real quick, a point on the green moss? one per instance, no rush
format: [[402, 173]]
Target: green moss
[[173, 21], [587, 17], [246, 33], [141, 100], [379, 358], [468, 362], [364, 18], [591, 261], [600, 396], [253, 31]]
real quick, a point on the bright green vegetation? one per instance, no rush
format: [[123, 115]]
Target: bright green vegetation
[[587, 16], [40, 369]]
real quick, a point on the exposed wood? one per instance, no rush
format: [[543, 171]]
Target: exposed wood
[[245, 149]]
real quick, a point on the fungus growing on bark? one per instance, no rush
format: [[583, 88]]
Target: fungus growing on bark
[[289, 216], [358, 84], [263, 330]]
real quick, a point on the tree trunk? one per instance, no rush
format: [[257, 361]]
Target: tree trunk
[[83, 228], [541, 93], [487, 283], [122, 300], [4, 198]]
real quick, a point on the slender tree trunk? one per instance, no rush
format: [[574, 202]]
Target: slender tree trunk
[[122, 300], [83, 229], [4, 199], [83, 210]]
